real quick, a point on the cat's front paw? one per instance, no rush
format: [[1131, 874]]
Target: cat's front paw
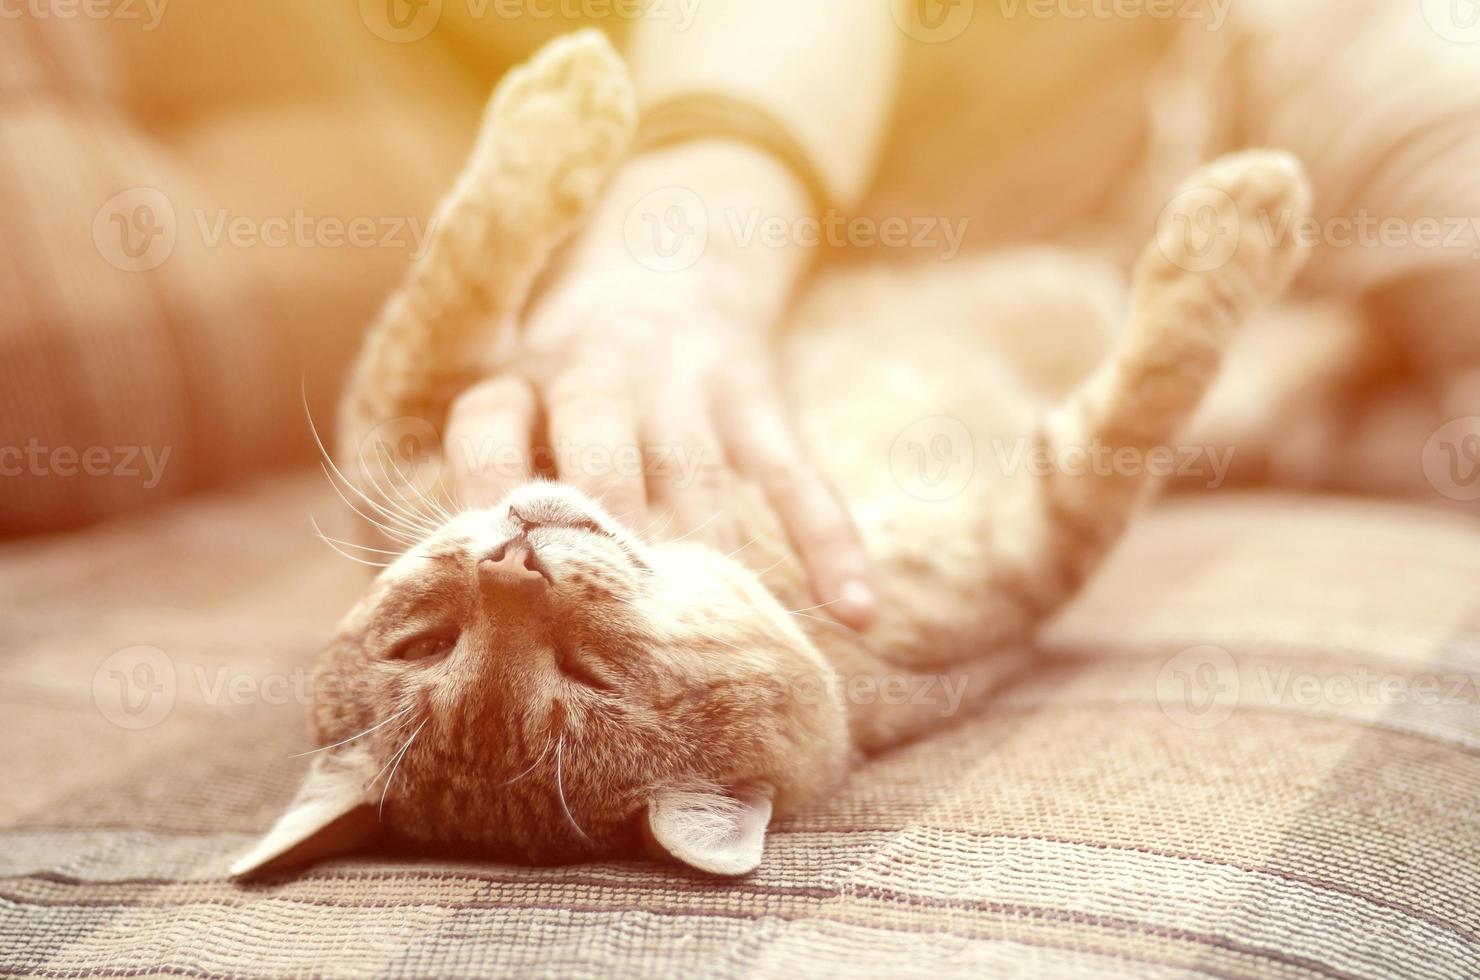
[[562, 118], [1235, 221]]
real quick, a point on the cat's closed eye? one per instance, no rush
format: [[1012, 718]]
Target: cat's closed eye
[[424, 646], [575, 667]]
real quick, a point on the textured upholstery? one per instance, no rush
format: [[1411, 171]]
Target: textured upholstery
[[1252, 748]]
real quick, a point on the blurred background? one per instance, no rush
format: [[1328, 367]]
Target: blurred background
[[204, 203]]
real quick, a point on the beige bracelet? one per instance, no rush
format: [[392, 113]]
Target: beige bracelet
[[711, 115]]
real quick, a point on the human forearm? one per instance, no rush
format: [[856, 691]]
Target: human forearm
[[829, 76], [709, 225]]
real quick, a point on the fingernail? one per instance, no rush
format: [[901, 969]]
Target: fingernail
[[856, 603]]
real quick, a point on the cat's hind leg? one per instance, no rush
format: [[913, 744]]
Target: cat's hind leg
[[1213, 263], [970, 578]]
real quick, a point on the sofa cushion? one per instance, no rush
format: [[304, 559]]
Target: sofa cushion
[[174, 260], [1252, 748]]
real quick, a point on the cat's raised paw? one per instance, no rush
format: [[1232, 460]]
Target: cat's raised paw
[[1233, 220], [563, 117]]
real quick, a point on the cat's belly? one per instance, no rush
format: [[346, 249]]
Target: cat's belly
[[914, 381], [883, 389], [917, 390]]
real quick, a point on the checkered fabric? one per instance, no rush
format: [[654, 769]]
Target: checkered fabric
[[1252, 749]]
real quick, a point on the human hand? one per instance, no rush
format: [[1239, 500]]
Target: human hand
[[656, 390]]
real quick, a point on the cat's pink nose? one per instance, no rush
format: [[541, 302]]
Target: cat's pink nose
[[513, 562]]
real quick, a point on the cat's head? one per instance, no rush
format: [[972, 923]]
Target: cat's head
[[533, 682]]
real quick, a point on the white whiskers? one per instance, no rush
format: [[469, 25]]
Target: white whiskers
[[762, 571], [395, 764], [532, 767], [711, 520], [560, 788], [407, 538], [643, 534], [820, 605], [392, 502], [410, 525], [325, 748], [335, 543], [829, 622], [732, 554], [349, 544], [438, 512]]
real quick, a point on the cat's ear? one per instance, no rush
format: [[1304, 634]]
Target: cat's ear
[[722, 833], [331, 814]]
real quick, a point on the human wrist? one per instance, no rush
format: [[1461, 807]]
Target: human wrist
[[704, 223]]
